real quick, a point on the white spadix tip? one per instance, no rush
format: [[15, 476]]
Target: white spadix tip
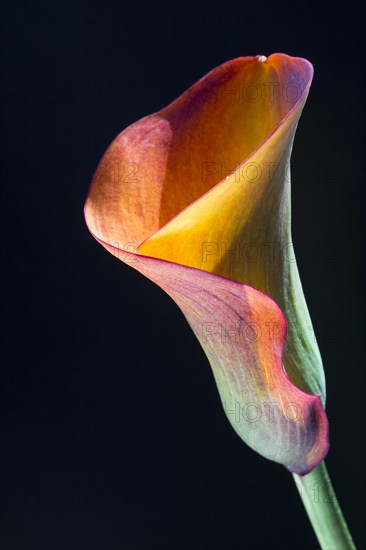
[[261, 58]]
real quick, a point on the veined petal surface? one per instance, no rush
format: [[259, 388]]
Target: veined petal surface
[[198, 195]]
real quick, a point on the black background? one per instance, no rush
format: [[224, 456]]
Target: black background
[[112, 431]]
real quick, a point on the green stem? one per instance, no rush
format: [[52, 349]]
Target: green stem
[[323, 509]]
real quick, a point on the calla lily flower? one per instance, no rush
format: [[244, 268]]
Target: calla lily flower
[[197, 198]]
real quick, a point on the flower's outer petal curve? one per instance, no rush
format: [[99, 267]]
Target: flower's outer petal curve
[[243, 333], [158, 191]]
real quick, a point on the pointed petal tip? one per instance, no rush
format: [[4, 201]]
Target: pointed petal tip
[[321, 445]]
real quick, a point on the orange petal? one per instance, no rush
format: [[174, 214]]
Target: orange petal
[[161, 190]]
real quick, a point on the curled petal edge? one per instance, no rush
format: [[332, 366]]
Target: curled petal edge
[[243, 333]]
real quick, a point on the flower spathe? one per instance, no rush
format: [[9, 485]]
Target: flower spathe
[[197, 198]]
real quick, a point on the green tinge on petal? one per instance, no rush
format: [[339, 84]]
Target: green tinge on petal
[[243, 333], [158, 192]]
